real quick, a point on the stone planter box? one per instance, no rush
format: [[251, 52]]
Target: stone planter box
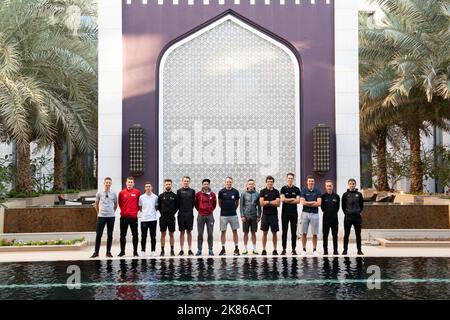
[[77, 246], [44, 200], [405, 216], [50, 219], [413, 243]]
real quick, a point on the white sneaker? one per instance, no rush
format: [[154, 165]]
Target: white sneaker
[[315, 253], [303, 253], [153, 254], [142, 253]]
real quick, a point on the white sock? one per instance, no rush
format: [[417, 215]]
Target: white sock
[[245, 248]]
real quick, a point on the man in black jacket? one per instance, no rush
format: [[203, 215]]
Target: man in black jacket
[[352, 205], [330, 206], [168, 206]]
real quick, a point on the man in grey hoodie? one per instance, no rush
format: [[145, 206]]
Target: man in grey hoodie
[[250, 213]]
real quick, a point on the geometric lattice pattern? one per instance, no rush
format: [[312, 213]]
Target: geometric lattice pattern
[[228, 109], [321, 149], [136, 150]]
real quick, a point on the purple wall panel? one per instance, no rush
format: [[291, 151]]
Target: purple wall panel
[[148, 29]]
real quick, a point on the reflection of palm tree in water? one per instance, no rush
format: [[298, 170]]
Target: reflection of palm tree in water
[[128, 292]]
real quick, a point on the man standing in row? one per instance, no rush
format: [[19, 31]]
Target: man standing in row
[[311, 200], [148, 202], [352, 205], [269, 201], [330, 208], [129, 208], [250, 214], [228, 202], [205, 203], [105, 205], [168, 207], [290, 197], [186, 198]]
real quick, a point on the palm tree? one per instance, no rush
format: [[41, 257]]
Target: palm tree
[[405, 62], [48, 79]]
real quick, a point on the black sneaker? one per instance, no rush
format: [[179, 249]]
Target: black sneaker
[[294, 253], [135, 254], [222, 252], [172, 253], [190, 253], [236, 252], [360, 253], [283, 253], [335, 253], [94, 255], [325, 252], [162, 253], [344, 253], [181, 253], [264, 253], [121, 254], [109, 255], [275, 253]]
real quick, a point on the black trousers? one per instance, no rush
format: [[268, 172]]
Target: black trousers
[[326, 227], [286, 219], [101, 222], [124, 223], [355, 221], [145, 227]]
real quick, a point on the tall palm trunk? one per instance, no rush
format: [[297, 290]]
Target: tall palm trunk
[[78, 169], [58, 165], [23, 176], [416, 161], [381, 170]]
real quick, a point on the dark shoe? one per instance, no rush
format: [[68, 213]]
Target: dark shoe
[[294, 253], [94, 255], [222, 252], [162, 253], [121, 254], [172, 253], [190, 253], [264, 253], [135, 254], [275, 253], [109, 255], [325, 252], [283, 253], [335, 253], [344, 253], [181, 253], [236, 252], [360, 253]]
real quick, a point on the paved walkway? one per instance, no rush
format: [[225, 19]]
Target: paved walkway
[[85, 253]]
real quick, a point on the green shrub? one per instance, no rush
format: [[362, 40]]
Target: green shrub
[[60, 242]]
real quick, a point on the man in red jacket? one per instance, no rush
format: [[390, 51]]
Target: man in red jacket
[[129, 208], [205, 203]]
